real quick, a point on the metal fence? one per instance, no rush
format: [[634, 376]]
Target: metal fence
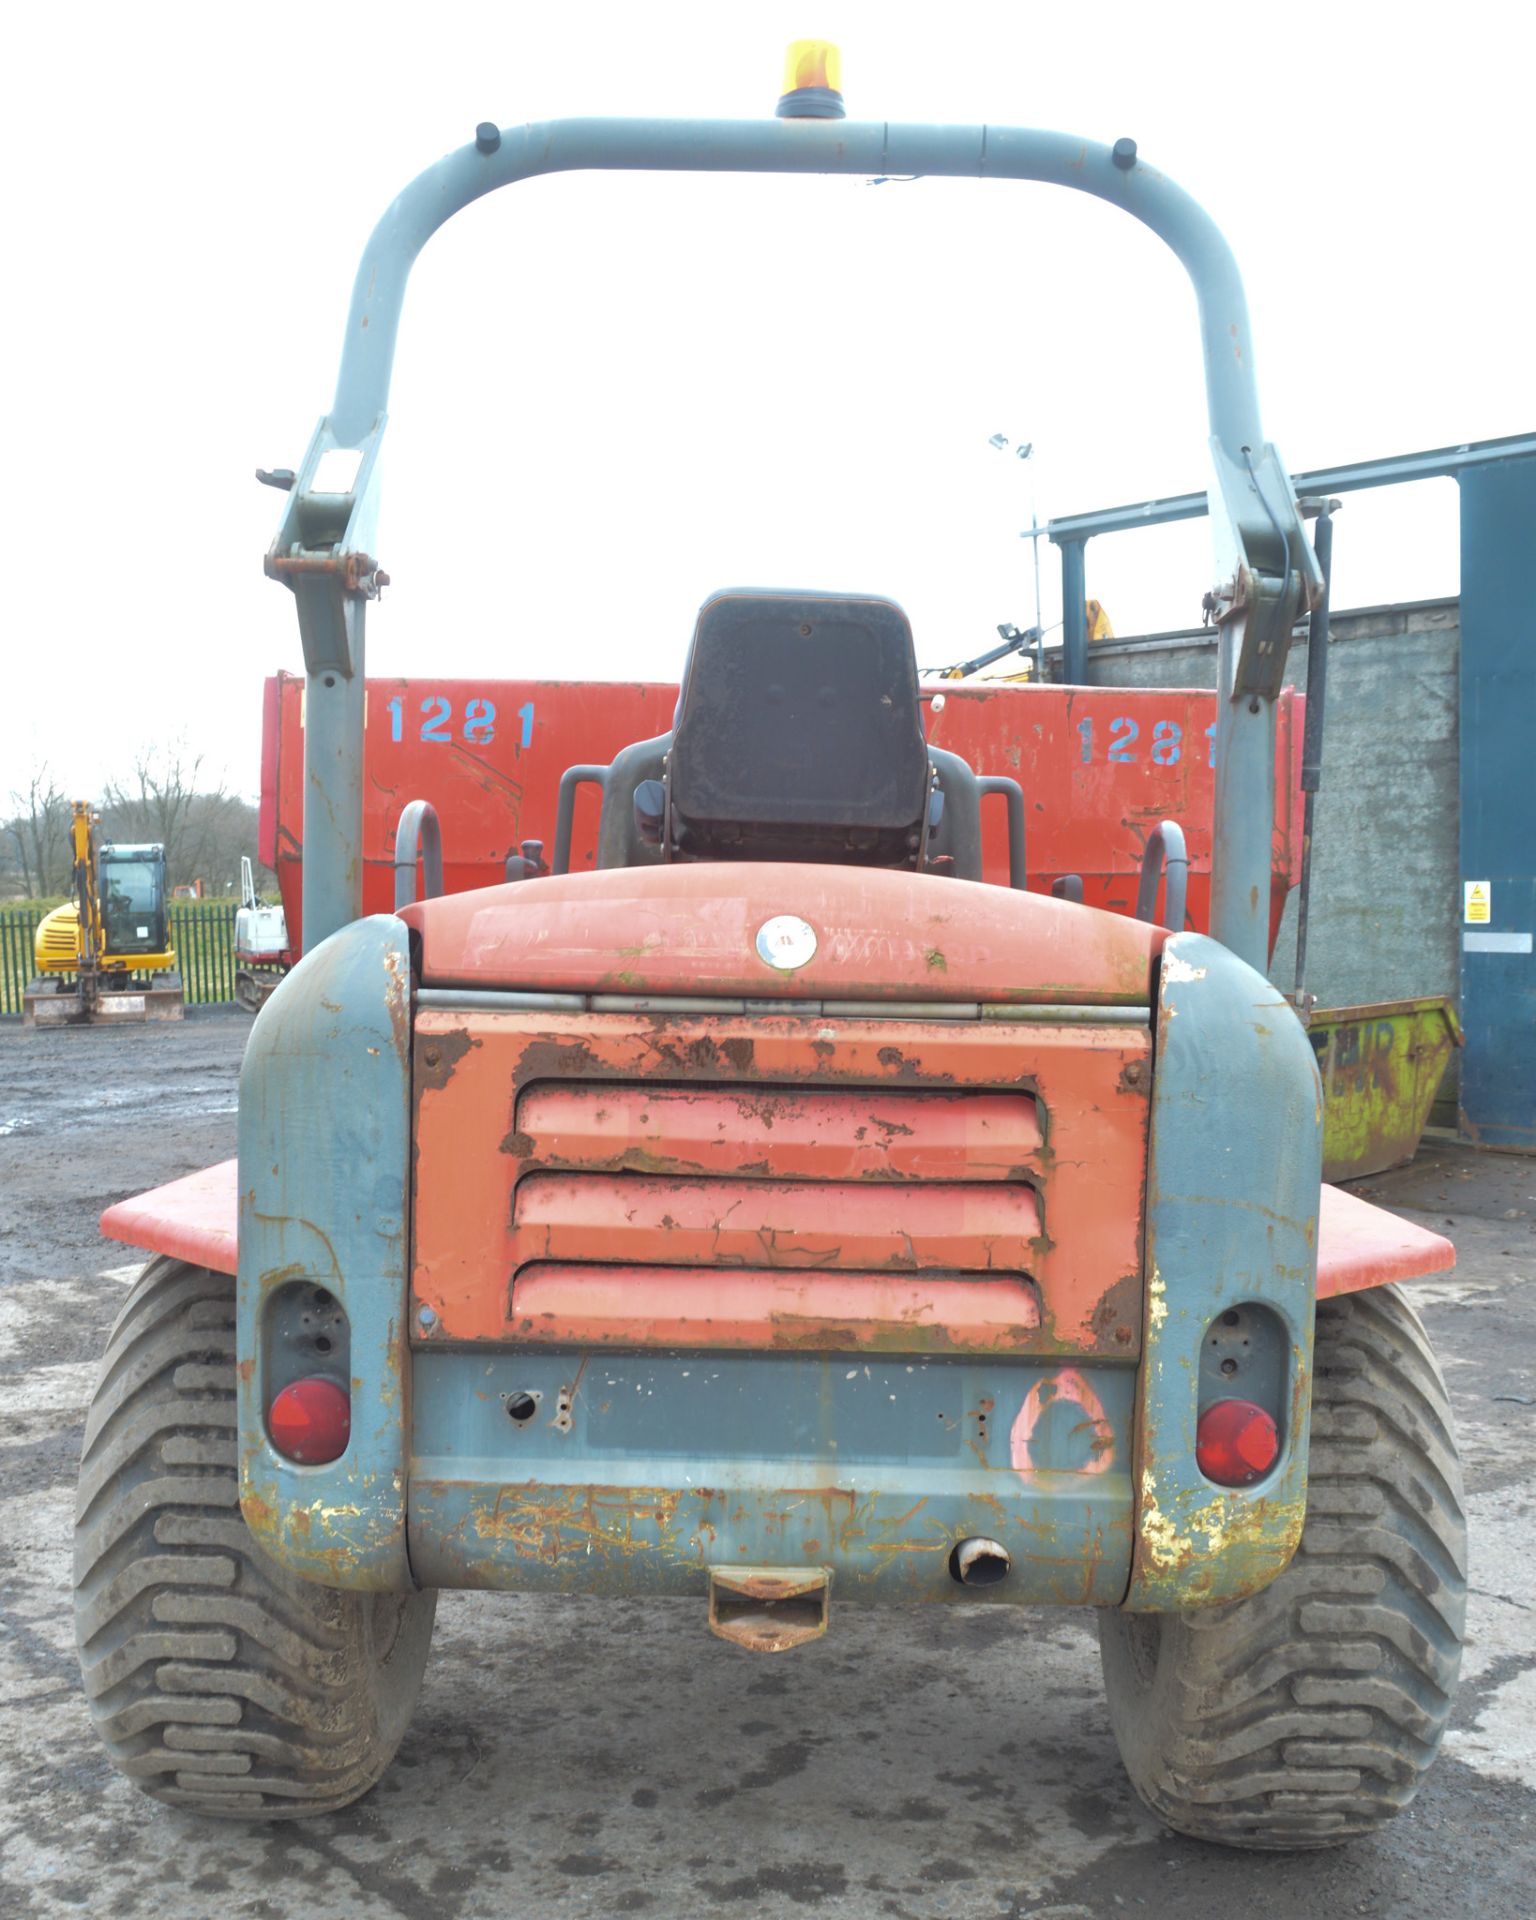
[[204, 938], [202, 932], [17, 928]]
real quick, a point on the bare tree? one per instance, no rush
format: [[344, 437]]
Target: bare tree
[[221, 827], [204, 833], [160, 801], [37, 836]]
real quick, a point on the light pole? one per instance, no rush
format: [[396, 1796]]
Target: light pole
[[1022, 450]]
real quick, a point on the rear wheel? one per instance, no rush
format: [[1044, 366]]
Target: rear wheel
[[1308, 1713], [218, 1680]]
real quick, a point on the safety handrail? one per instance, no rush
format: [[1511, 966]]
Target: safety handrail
[[418, 837], [1165, 851], [1013, 793], [565, 811]]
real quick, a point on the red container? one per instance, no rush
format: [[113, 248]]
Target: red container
[[1100, 766]]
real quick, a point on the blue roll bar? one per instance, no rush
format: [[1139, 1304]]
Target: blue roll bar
[[1266, 571]]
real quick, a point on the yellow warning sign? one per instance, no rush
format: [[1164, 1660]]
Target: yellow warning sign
[[1477, 902]]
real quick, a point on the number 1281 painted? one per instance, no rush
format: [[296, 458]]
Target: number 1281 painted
[[1164, 749]]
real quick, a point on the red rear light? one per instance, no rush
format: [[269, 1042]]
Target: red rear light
[[310, 1422], [1236, 1443]]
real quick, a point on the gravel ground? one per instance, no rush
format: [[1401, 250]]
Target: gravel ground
[[584, 1758]]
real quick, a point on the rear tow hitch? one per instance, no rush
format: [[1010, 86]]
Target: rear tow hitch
[[768, 1609]]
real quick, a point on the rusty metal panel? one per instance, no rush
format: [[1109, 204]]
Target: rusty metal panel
[[1099, 767], [639, 1473], [1381, 1067], [702, 1130], [1073, 1204], [773, 1308], [1233, 1195], [845, 1226], [324, 1140]]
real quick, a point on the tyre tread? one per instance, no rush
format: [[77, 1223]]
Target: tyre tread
[[1307, 1713], [217, 1681]]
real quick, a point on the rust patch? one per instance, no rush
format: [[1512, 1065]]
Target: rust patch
[[437, 1057], [571, 1059], [398, 1000], [1116, 1320], [898, 1064]]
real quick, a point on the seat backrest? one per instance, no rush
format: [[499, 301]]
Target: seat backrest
[[799, 733], [799, 736]]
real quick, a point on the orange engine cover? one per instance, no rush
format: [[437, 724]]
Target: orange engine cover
[[691, 929]]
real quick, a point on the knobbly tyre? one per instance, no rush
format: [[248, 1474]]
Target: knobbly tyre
[[778, 1214]]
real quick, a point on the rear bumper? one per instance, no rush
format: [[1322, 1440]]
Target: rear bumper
[[639, 1472]]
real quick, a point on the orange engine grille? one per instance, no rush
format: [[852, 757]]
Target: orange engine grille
[[722, 1212]]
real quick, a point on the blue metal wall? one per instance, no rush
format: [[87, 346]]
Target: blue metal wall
[[1498, 800]]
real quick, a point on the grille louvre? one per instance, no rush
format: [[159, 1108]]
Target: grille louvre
[[797, 1133], [839, 1226], [755, 1308]]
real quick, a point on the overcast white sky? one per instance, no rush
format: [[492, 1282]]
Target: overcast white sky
[[614, 394]]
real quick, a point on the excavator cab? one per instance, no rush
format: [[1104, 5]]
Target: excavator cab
[[132, 900]]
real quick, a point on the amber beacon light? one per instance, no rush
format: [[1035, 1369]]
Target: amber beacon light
[[813, 82]]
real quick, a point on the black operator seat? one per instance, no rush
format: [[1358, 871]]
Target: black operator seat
[[799, 734]]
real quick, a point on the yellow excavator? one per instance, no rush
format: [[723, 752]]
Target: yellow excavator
[[89, 950]]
